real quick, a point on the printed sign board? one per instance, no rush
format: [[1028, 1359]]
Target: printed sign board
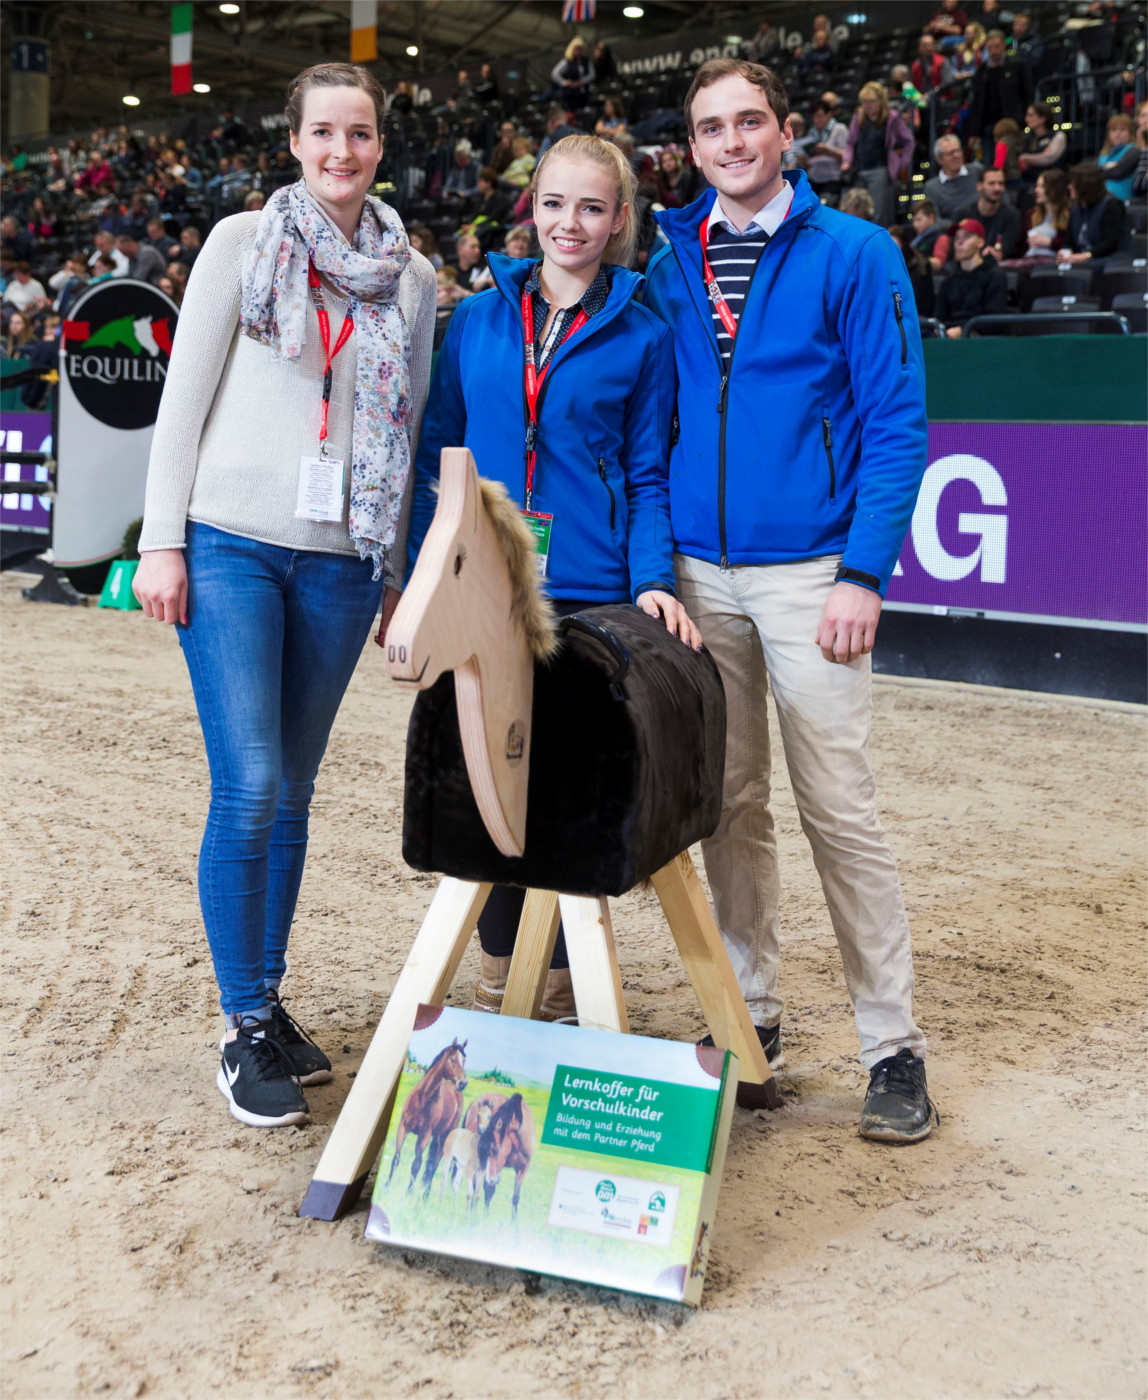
[[114, 352], [558, 1150], [20, 510]]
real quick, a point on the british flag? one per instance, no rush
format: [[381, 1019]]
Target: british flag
[[578, 11]]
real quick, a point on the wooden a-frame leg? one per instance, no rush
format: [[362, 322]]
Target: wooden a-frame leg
[[357, 1136], [533, 949], [593, 962], [692, 924]]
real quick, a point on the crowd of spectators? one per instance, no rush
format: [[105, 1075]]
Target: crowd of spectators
[[999, 195]]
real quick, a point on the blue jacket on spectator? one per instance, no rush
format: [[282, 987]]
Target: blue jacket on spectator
[[604, 419], [817, 443]]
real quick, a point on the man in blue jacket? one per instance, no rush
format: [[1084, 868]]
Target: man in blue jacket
[[801, 444]]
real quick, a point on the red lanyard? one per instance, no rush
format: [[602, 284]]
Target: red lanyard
[[325, 335], [713, 289], [533, 381]]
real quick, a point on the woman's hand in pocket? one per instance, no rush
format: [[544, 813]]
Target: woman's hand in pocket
[[677, 620], [160, 585]]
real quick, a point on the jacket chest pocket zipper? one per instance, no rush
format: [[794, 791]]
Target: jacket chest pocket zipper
[[900, 327], [609, 488], [827, 438]]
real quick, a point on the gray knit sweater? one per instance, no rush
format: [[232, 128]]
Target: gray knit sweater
[[234, 420]]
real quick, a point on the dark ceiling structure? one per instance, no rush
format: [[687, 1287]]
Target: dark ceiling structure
[[104, 49]]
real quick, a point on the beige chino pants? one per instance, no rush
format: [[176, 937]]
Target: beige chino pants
[[760, 624]]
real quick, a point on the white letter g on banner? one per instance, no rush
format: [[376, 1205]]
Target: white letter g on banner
[[992, 530]]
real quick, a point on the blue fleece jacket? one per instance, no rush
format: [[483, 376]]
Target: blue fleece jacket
[[817, 443], [604, 418]]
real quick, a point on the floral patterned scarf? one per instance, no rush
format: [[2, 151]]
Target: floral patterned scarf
[[367, 272]]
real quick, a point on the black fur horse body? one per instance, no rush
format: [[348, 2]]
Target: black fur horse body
[[628, 750]]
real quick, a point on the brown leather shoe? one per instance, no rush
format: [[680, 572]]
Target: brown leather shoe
[[558, 996]]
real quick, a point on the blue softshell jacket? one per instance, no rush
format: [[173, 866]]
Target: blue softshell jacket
[[817, 442], [604, 419]]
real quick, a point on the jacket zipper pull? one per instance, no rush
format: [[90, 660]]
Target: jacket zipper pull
[[531, 436], [827, 433], [721, 395]]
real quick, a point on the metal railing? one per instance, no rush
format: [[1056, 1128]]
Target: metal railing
[[1042, 323]]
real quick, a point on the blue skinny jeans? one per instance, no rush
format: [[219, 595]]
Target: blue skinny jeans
[[272, 639]]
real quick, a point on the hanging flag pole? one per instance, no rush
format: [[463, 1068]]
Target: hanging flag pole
[[364, 31], [180, 49]]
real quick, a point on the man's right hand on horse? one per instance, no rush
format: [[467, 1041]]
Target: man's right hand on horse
[[677, 620], [160, 585]]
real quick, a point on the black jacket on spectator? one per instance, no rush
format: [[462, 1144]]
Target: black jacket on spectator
[[1099, 229], [1003, 91], [1005, 224], [963, 295]]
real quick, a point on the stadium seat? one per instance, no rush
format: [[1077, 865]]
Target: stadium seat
[[1133, 306], [1044, 304], [1119, 281], [1077, 283], [1055, 323], [1138, 217]]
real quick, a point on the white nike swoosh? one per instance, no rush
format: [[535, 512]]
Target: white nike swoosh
[[232, 1075]]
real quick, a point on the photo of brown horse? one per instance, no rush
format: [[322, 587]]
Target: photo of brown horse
[[432, 1112], [506, 1143]]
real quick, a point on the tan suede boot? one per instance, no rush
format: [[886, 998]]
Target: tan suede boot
[[558, 996], [491, 985]]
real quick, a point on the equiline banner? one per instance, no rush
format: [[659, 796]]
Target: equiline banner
[[1035, 522], [114, 351]]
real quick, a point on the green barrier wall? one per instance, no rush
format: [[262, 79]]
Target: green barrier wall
[[1038, 379]]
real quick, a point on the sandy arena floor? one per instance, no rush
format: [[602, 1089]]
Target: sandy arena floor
[[151, 1245]]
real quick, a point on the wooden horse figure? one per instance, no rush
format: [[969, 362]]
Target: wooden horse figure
[[432, 1112], [576, 776]]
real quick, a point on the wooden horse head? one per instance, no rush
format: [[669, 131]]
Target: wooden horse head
[[474, 606]]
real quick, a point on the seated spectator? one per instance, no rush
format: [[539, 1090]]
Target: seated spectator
[[103, 267], [970, 53], [917, 265], [254, 200], [144, 262], [97, 172], [503, 152], [177, 272], [999, 222], [765, 44], [424, 242], [402, 101], [520, 169], [1007, 144], [572, 75], [189, 246], [674, 180], [17, 242], [40, 221], [1047, 219], [794, 158], [462, 178], [69, 282], [1119, 156], [1044, 149], [977, 288], [1096, 224], [168, 288], [42, 353], [955, 183], [23, 291], [20, 335], [613, 119], [825, 151], [471, 271], [948, 22], [450, 292], [221, 177], [818, 56], [556, 128], [517, 243], [485, 91], [926, 231], [858, 202], [494, 209], [159, 238], [282, 172], [931, 70], [879, 149], [1024, 44], [1140, 179]]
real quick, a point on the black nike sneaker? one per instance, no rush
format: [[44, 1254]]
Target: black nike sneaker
[[257, 1078], [770, 1038], [897, 1104], [311, 1065]]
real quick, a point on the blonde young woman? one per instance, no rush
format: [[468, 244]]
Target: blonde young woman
[[588, 453], [273, 519], [878, 151]]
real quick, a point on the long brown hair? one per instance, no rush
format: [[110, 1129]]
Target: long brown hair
[[620, 248], [1056, 195]]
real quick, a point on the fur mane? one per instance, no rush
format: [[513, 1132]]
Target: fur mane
[[529, 605], [501, 1122]]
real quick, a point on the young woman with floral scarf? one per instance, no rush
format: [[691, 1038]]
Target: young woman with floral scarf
[[274, 519]]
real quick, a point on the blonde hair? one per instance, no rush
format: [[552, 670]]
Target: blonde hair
[[620, 247], [876, 90], [573, 44], [1118, 119]]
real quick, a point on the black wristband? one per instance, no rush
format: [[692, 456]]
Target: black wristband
[[844, 575]]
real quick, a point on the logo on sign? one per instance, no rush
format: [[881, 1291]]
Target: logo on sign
[[115, 352], [990, 553], [605, 1190]]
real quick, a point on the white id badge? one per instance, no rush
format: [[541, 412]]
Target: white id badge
[[320, 489]]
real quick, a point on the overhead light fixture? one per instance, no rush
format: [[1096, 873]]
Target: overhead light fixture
[[412, 51], [229, 9], [130, 101], [633, 12], [201, 87]]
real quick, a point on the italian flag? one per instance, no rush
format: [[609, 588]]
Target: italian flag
[[180, 49]]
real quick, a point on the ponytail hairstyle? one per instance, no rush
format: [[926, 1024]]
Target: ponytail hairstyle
[[333, 75], [620, 247]]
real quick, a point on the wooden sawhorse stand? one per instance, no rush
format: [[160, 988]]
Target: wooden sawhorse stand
[[357, 1137]]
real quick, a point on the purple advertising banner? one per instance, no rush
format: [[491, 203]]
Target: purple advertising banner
[[24, 432], [1043, 521]]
